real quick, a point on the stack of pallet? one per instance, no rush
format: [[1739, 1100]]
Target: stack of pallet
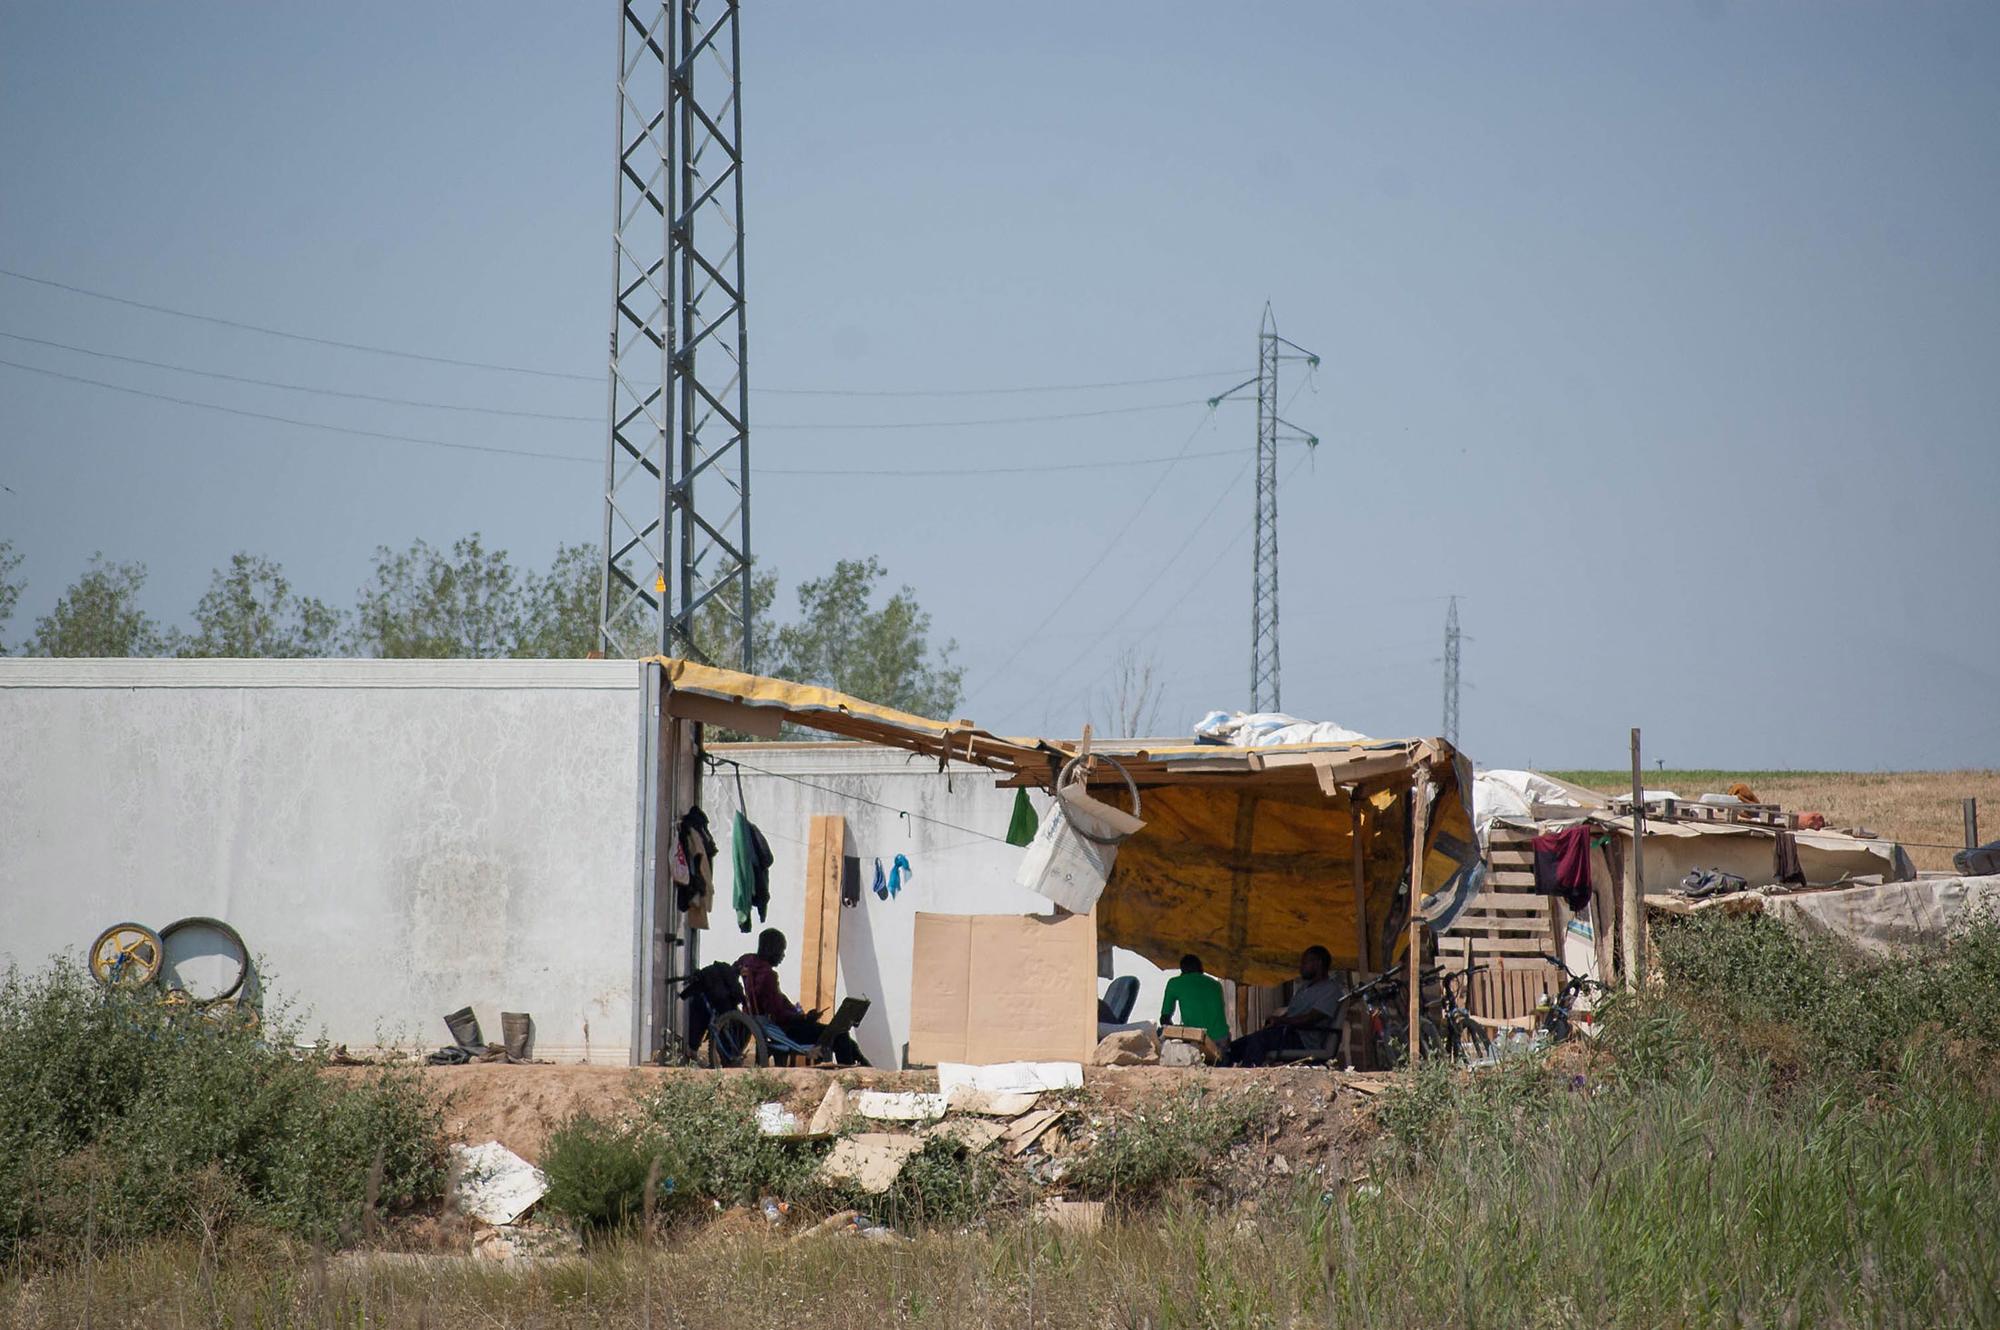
[[1507, 928]]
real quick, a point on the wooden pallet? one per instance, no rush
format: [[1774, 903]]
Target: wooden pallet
[[1683, 810], [1507, 927]]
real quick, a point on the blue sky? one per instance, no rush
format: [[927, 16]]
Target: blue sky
[[1664, 335]]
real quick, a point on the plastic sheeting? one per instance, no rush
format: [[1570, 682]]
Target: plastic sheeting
[[1513, 794], [1267, 729], [1892, 917]]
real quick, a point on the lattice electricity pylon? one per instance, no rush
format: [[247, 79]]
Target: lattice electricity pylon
[[680, 395], [1272, 430], [1451, 673]]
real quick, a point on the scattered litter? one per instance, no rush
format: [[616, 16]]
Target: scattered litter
[[775, 1119], [1009, 1077], [493, 1184], [1029, 1129], [908, 1106], [871, 1161], [775, 1210], [839, 1222], [988, 1104], [969, 1134], [524, 1242], [832, 1111], [1072, 1216]]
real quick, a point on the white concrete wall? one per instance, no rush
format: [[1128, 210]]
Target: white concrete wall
[[394, 839], [954, 839]]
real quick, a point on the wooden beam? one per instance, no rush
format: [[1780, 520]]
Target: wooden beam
[[1420, 813], [819, 958], [1635, 874], [1357, 824]]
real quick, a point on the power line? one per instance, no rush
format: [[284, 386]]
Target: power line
[[996, 392], [715, 760], [994, 420], [297, 387], [399, 353], [573, 457], [290, 420], [300, 337], [586, 420], [1076, 583]]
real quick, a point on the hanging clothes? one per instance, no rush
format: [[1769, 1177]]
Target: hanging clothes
[[881, 882], [850, 881], [750, 856], [898, 872], [1788, 869], [1562, 865], [697, 846], [1023, 825]]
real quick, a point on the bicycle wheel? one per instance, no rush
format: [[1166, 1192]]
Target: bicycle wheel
[[1470, 1042], [735, 1036], [126, 955]]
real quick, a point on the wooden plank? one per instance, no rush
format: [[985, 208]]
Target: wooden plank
[[1420, 811], [1504, 857], [1504, 946], [1357, 826], [819, 957]]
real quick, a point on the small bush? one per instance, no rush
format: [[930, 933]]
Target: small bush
[[597, 1173], [1166, 1142], [121, 1118]]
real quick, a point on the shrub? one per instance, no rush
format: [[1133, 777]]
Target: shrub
[[597, 1172], [1166, 1141], [121, 1117]]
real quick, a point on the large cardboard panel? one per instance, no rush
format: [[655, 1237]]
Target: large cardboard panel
[[1003, 988]]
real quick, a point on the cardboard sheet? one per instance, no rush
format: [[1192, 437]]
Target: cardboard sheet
[[990, 988]]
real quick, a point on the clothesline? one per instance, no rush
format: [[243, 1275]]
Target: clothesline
[[714, 761]]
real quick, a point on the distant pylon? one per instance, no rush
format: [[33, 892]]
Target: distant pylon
[[1451, 673], [1264, 692]]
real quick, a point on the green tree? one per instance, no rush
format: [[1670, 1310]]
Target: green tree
[[840, 640], [559, 610], [250, 609], [428, 602], [10, 589], [100, 616]]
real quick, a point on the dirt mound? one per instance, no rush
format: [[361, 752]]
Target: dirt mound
[[1317, 1111]]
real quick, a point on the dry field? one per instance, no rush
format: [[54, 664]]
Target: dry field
[[1918, 808]]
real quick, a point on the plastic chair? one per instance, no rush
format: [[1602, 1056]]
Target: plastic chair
[[1120, 996]]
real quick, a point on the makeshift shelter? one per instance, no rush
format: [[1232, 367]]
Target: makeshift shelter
[[1515, 920], [1247, 853]]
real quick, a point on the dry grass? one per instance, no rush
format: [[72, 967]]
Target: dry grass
[[1918, 808]]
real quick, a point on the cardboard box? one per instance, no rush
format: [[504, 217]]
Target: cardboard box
[[1003, 988]]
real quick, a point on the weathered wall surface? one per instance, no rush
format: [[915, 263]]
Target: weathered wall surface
[[954, 839], [394, 839]]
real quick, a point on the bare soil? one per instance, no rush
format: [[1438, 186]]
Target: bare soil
[[518, 1105]]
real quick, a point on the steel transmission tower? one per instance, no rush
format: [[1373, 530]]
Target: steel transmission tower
[[1451, 673], [1271, 430], [680, 398]]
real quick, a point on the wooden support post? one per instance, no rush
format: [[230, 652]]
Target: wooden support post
[[1635, 876], [819, 953], [1357, 822], [1420, 816], [1970, 808]]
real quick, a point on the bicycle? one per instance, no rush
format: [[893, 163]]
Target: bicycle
[[1558, 1021], [1445, 1026]]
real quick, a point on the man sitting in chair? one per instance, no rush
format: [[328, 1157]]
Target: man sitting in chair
[[765, 999], [1309, 1024]]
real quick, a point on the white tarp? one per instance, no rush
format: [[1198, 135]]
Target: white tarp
[[1005, 1078], [493, 1184], [1503, 792], [1891, 917], [1266, 729]]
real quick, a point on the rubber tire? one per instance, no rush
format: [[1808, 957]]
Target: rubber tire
[[235, 939], [751, 1032], [159, 956]]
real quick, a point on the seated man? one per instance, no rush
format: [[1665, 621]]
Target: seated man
[[1310, 1023], [1199, 999], [765, 999]]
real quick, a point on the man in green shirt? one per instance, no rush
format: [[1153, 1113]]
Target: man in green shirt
[[1199, 999]]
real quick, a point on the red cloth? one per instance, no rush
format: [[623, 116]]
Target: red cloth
[[760, 987], [1562, 865]]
